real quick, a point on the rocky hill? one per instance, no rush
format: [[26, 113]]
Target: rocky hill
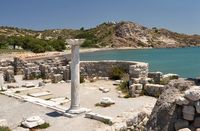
[[122, 34]]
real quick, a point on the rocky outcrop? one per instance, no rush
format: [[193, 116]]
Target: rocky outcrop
[[166, 112]]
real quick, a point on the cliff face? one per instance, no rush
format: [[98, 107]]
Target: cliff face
[[122, 34], [133, 35]]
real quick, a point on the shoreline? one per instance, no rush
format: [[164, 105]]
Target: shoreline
[[88, 50]]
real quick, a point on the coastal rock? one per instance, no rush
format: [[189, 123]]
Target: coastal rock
[[164, 112]]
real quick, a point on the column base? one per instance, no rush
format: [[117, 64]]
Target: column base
[[78, 111]]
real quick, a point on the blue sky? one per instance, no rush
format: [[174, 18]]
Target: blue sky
[[177, 15]]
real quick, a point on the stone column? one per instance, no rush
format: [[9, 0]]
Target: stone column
[[75, 77]]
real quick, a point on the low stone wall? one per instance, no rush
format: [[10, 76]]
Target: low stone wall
[[104, 68]]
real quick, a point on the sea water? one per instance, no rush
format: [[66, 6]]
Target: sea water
[[182, 61]]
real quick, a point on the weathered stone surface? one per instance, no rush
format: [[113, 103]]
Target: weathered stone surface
[[184, 129], [135, 89], [188, 113], [193, 93], [181, 124], [197, 106], [138, 70], [3, 122], [182, 101], [57, 78], [32, 122], [9, 76], [196, 123], [154, 89]]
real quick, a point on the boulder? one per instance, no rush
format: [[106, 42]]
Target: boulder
[[193, 93], [181, 124], [164, 113], [32, 121], [188, 113]]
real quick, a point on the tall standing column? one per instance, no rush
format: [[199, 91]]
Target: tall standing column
[[75, 77]]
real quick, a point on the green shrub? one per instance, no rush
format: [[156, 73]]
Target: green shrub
[[82, 80], [117, 73], [124, 87], [4, 128], [43, 126]]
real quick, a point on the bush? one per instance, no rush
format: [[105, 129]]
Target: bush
[[117, 73], [43, 126], [82, 80], [4, 128], [124, 87]]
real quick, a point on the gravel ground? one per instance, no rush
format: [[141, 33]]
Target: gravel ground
[[15, 110]]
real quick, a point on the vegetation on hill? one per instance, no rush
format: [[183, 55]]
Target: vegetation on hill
[[122, 34]]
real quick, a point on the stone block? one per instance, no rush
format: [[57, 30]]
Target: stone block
[[57, 78], [153, 89], [179, 124], [156, 76], [98, 117], [138, 70], [188, 113]]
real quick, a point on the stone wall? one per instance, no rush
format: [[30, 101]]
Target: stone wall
[[104, 68]]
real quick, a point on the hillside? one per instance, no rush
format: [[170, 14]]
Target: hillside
[[122, 34]]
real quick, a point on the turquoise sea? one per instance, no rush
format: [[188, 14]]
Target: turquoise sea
[[183, 61]]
